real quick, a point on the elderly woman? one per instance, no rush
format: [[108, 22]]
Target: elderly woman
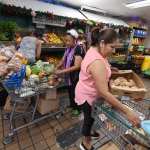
[[70, 66]]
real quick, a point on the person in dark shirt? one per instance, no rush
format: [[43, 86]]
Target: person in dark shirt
[[70, 66], [82, 40]]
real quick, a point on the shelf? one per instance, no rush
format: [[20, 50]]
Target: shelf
[[45, 21], [139, 28], [137, 45], [53, 49], [139, 37]]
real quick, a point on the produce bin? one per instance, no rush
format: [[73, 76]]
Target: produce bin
[[136, 94]]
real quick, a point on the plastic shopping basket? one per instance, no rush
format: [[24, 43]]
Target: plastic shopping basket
[[15, 80]]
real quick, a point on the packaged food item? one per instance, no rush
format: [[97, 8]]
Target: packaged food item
[[8, 51]]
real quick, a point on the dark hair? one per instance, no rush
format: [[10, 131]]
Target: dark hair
[[107, 35], [38, 34], [28, 32]]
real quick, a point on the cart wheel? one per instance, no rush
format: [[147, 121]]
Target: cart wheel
[[8, 140], [63, 112], [59, 115]]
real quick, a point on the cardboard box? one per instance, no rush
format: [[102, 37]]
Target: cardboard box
[[50, 94], [20, 106], [136, 94], [46, 106]]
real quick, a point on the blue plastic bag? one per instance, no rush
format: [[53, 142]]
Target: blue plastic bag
[[15, 80]]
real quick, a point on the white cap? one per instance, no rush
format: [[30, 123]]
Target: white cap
[[73, 32]]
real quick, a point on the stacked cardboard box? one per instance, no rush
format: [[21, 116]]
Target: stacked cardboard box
[[48, 102]]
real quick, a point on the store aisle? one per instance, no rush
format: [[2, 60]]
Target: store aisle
[[42, 136]]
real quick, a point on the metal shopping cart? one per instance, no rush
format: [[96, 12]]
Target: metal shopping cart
[[115, 126], [20, 91]]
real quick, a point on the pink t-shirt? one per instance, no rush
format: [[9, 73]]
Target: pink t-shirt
[[86, 89]]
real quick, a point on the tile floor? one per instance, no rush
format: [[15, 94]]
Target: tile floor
[[42, 136]]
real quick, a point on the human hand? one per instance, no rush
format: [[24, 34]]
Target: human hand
[[58, 72], [133, 118]]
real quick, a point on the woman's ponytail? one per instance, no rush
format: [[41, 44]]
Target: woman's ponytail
[[106, 35]]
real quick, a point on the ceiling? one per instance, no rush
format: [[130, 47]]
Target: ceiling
[[115, 7]]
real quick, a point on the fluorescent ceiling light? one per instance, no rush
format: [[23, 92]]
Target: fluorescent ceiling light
[[139, 4], [92, 8]]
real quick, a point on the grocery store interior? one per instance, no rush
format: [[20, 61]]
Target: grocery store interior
[[74, 75]]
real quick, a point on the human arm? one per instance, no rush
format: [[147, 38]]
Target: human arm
[[98, 72], [76, 66], [78, 56], [114, 70]]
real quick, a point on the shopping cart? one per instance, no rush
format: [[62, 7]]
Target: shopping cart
[[20, 92], [116, 127]]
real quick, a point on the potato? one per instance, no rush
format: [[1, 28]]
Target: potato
[[132, 83], [116, 82]]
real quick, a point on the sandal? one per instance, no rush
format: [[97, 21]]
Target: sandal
[[82, 147], [95, 135]]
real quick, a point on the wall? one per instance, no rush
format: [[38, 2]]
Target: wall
[[21, 21]]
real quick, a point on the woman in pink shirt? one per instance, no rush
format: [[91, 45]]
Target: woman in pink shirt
[[93, 82]]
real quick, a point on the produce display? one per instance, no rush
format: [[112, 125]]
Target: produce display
[[124, 83], [117, 57], [137, 41], [52, 39], [138, 59], [53, 59], [147, 72], [42, 71]]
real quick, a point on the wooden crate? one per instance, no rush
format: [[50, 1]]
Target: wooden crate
[[136, 94]]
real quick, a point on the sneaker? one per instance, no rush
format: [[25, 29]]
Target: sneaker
[[75, 112], [82, 147], [95, 135]]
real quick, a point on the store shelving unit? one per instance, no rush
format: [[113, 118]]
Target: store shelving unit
[[136, 45], [52, 49], [138, 37]]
